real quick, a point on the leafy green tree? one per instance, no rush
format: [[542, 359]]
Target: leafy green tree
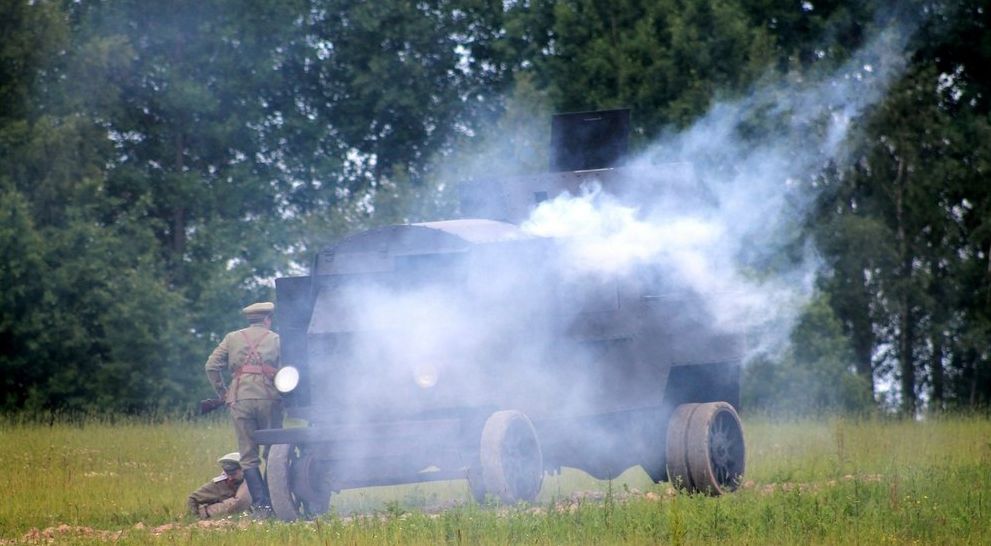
[[32, 33], [815, 375], [901, 225], [958, 43], [22, 324], [666, 59], [173, 158], [161, 163]]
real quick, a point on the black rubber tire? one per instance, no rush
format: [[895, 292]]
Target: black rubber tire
[[512, 464], [476, 486], [279, 470], [299, 486], [705, 448], [676, 455]]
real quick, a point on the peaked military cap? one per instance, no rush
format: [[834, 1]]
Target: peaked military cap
[[230, 462], [259, 309]]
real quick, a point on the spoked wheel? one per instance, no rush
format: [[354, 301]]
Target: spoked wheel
[[297, 482], [705, 448], [511, 462]]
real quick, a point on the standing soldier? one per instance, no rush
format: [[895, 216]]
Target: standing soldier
[[224, 495], [251, 356]]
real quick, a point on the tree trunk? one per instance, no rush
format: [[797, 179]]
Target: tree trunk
[[936, 369], [987, 299], [862, 333], [179, 213], [905, 319], [972, 365], [937, 333], [905, 358]]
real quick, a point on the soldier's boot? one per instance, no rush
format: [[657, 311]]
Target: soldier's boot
[[261, 506]]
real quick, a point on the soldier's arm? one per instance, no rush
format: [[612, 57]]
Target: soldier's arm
[[193, 506], [199, 497], [240, 502], [217, 362]]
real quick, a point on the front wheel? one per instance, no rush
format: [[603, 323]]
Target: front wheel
[[297, 483], [705, 448]]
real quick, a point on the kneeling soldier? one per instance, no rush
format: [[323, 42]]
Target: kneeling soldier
[[223, 495]]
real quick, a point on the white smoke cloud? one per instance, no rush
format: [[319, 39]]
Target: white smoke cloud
[[696, 250], [713, 230], [755, 195], [707, 211], [610, 238]]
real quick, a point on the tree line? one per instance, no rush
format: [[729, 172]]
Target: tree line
[[160, 163]]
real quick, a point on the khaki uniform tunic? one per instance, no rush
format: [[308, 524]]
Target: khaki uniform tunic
[[218, 498], [253, 400]]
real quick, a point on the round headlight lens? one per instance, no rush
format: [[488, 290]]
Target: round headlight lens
[[425, 375], [286, 379]]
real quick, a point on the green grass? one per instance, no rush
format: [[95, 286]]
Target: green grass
[[821, 482]]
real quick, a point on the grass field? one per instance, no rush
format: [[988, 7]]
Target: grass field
[[830, 481]]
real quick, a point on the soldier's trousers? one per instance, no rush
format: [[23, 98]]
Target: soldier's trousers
[[249, 416], [240, 502]]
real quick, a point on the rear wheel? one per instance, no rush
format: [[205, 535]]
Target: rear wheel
[[705, 448], [511, 462]]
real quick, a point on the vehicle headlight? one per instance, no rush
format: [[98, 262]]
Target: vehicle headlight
[[425, 375], [286, 379]]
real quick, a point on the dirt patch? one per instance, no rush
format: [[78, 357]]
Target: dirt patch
[[807, 487], [52, 534], [570, 504]]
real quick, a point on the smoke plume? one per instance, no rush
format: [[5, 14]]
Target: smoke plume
[[723, 232], [714, 212]]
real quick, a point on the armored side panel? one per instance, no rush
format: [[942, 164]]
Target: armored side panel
[[584, 141], [355, 349], [611, 341], [292, 318]]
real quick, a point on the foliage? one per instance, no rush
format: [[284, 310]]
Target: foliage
[[169, 160], [161, 163], [814, 376], [900, 227]]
